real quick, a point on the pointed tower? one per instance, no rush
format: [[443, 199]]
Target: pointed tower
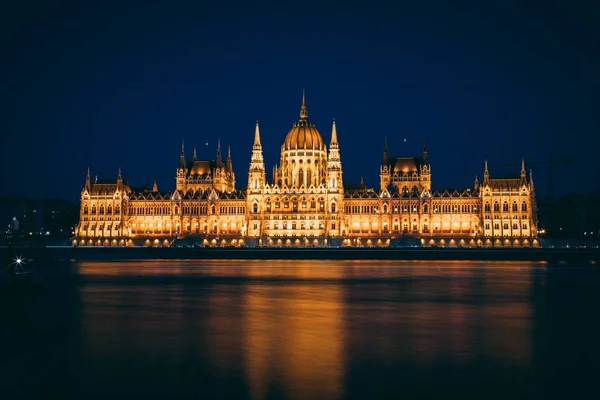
[[180, 183], [385, 175], [385, 151], [334, 163], [476, 183], [335, 186], [256, 173], [182, 157], [256, 185], [195, 153], [88, 181], [229, 163], [425, 172], [219, 158], [230, 173], [155, 187], [303, 109], [533, 209], [523, 174], [486, 175], [119, 180]]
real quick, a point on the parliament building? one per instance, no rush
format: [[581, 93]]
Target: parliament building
[[306, 203]]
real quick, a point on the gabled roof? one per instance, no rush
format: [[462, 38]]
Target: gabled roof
[[405, 164], [505, 183], [107, 188]]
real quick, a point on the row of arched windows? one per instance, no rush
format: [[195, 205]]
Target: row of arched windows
[[101, 210], [505, 208], [303, 203]]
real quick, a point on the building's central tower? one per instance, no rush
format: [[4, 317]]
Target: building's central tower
[[303, 155]]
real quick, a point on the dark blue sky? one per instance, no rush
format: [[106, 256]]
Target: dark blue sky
[[114, 85]]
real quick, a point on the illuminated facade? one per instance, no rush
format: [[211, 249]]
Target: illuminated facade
[[307, 204]]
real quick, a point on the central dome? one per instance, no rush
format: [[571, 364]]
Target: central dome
[[303, 135]]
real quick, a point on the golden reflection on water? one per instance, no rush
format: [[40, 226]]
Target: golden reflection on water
[[297, 325], [294, 335]]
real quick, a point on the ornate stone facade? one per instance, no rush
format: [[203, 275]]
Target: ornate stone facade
[[306, 203]]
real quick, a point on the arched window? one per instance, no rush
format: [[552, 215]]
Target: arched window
[[268, 204], [109, 209], [425, 208], [487, 207], [213, 209], [505, 207], [85, 209], [93, 209], [332, 207], [515, 207], [524, 207], [117, 210], [254, 208], [102, 209], [385, 208], [176, 210], [313, 203], [303, 203], [496, 207]]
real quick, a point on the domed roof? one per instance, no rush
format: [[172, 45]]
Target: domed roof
[[303, 135]]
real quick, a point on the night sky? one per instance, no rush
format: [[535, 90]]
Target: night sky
[[112, 85]]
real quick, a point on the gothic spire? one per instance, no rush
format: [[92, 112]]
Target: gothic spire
[[256, 135], [303, 110], [219, 158], [229, 162], [385, 150], [333, 134], [195, 153], [88, 180], [182, 157], [486, 174]]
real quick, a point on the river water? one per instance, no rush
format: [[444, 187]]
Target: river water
[[302, 330]]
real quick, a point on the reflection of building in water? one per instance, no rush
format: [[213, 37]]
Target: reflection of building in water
[[306, 202], [458, 319], [294, 340]]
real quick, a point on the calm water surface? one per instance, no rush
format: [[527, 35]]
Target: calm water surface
[[303, 330]]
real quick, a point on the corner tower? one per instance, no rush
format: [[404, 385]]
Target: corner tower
[[256, 173]]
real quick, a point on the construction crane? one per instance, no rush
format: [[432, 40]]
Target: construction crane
[[550, 163]]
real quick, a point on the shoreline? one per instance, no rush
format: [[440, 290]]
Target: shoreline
[[318, 253]]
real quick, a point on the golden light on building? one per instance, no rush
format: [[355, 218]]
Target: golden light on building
[[306, 203]]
